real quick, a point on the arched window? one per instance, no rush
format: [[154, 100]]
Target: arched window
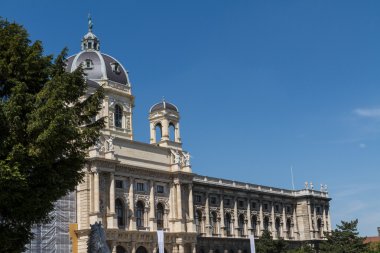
[[254, 224], [139, 214], [278, 226], [171, 132], [158, 130], [266, 223], [120, 249], [119, 207], [213, 223], [118, 116], [227, 223], [160, 216], [288, 227], [241, 225], [319, 227], [198, 221]]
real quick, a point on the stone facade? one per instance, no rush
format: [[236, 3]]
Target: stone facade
[[136, 188]]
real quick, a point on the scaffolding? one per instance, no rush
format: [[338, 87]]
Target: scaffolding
[[54, 237]]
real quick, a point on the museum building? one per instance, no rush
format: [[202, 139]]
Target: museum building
[[135, 188]]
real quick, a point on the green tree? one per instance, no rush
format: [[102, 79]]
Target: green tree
[[305, 248], [46, 125], [266, 244], [344, 239]]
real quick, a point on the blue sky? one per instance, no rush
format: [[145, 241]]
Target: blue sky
[[261, 85]]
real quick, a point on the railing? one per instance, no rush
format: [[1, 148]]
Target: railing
[[241, 185]]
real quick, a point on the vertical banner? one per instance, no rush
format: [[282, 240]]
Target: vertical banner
[[160, 240], [252, 243]]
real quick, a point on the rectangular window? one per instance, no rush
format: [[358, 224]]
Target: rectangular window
[[253, 205], [266, 207], [241, 203], [277, 208], [198, 199], [140, 187], [288, 209], [213, 200], [160, 189], [318, 210], [227, 202], [119, 184]]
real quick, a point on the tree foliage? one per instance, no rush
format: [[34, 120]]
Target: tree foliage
[[46, 125], [344, 239], [266, 244]]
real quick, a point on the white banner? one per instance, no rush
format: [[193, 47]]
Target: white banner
[[252, 243], [160, 239]]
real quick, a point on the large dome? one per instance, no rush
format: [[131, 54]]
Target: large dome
[[97, 66]]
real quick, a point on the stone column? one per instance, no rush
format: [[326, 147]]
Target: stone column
[[222, 225], [96, 192], [273, 221], [295, 222], [152, 134], [235, 223], [172, 211], [91, 188], [207, 210], [261, 219], [165, 128], [113, 247], [249, 225], [193, 248], [152, 207], [310, 221], [179, 202], [131, 192], [177, 133], [108, 117], [181, 249], [166, 218], [315, 220], [284, 228], [111, 215], [133, 247], [329, 219], [190, 225], [324, 218]]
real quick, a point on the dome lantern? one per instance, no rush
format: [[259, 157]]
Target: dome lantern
[[90, 41]]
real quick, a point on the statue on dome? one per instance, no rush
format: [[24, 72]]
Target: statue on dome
[[90, 24]]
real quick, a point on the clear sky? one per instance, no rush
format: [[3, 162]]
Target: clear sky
[[261, 85]]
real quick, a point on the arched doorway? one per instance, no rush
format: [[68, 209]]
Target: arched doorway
[[141, 249], [120, 249]]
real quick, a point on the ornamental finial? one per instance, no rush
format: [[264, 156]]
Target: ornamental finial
[[90, 24]]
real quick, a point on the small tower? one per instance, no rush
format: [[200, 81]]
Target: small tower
[[164, 125]]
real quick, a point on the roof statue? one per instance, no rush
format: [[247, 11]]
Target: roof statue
[[90, 24]]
